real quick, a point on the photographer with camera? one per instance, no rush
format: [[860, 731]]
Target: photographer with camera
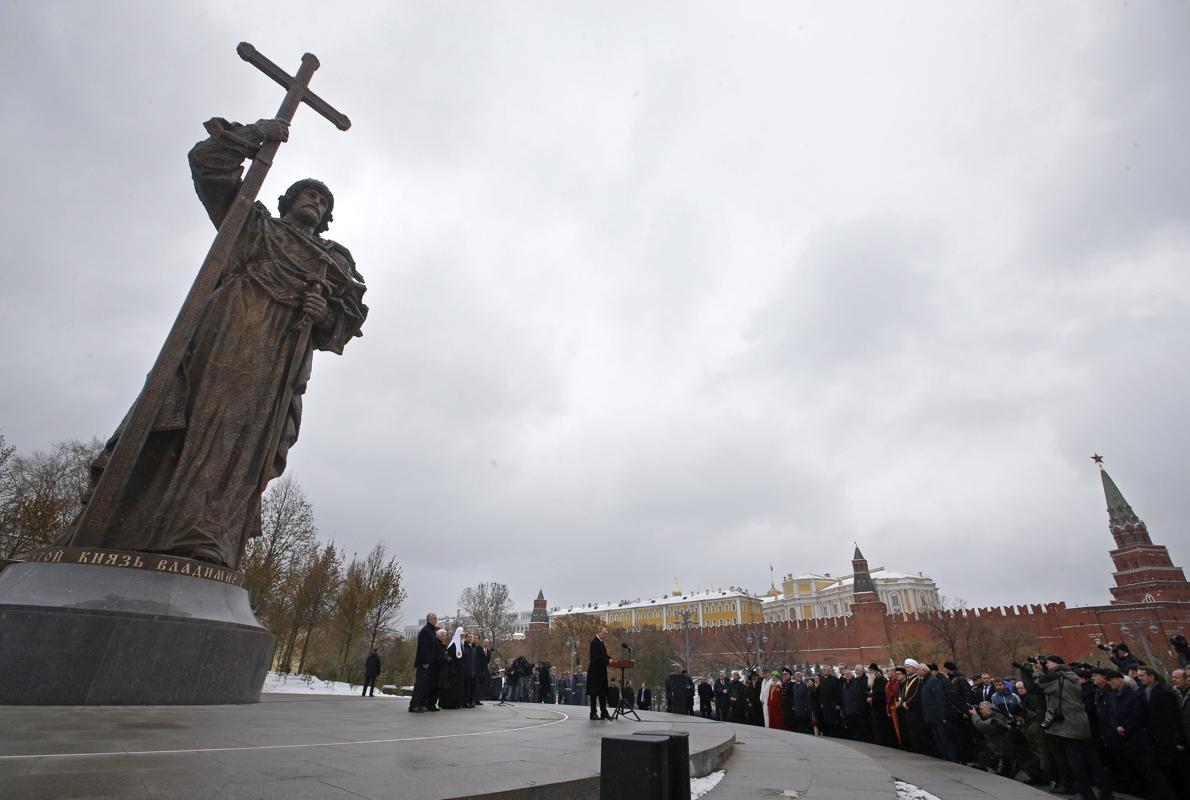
[[1182, 648], [1121, 656], [1068, 729], [1002, 747]]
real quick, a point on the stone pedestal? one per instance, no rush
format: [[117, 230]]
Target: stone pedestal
[[87, 634]]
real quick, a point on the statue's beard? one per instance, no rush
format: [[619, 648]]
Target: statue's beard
[[307, 215]]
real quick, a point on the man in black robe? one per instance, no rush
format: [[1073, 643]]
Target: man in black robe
[[451, 681], [423, 661], [597, 661], [882, 727]]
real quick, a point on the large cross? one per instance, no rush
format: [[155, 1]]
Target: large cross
[[139, 422]]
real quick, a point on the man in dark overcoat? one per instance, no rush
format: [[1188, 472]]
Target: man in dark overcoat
[[830, 695], [470, 670], [371, 672], [483, 677], [722, 701], [706, 698], [737, 696], [644, 698], [597, 661], [427, 653], [855, 705]]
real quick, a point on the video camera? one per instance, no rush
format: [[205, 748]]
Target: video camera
[[519, 668]]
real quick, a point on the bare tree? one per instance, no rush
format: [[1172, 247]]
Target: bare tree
[[490, 608], [351, 607], [386, 592], [288, 538], [42, 493], [320, 579], [569, 630], [755, 646], [962, 635], [946, 625]]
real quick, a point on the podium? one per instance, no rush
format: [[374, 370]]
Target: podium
[[623, 708]]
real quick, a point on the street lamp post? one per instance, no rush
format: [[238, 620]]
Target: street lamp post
[[1139, 626], [572, 643], [757, 636], [686, 615]]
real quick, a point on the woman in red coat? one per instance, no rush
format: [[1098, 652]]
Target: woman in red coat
[[776, 720]]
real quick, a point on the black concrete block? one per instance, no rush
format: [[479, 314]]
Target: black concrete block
[[634, 768], [679, 762]]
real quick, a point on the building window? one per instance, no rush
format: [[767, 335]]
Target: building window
[[894, 602], [1149, 599]]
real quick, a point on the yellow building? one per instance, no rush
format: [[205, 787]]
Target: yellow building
[[712, 608], [813, 596]]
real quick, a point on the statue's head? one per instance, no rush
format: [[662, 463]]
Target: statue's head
[[286, 201]]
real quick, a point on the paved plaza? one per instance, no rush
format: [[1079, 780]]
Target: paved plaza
[[346, 748]]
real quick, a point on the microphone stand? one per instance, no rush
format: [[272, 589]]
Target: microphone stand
[[622, 707]]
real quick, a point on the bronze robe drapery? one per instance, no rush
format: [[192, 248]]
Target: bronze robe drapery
[[195, 490]]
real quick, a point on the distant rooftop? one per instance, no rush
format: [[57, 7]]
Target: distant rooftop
[[663, 600]]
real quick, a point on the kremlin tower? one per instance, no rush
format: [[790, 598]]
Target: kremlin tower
[[1144, 572]]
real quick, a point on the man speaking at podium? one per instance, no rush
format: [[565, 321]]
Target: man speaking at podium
[[597, 674]]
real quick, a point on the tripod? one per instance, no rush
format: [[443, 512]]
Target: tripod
[[623, 709]]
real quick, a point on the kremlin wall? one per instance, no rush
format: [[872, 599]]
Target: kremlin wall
[[1150, 603]]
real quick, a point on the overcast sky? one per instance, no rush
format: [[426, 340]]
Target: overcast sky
[[656, 289]]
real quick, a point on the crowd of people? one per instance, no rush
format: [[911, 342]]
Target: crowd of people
[[449, 672], [1066, 727]]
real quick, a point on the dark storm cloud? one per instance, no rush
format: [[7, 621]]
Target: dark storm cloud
[[654, 292]]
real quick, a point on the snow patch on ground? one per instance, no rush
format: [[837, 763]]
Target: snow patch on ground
[[907, 791], [276, 683], [700, 786]]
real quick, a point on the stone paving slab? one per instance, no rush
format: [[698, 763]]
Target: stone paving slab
[[946, 780], [324, 748], [768, 763]]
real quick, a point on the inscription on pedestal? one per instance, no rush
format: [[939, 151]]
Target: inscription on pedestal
[[152, 562]]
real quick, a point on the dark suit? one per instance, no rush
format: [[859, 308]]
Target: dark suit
[[722, 702], [706, 699], [597, 662], [644, 698], [423, 661], [483, 678], [830, 695], [470, 673]]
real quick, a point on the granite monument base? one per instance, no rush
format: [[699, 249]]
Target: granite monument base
[[86, 634]]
